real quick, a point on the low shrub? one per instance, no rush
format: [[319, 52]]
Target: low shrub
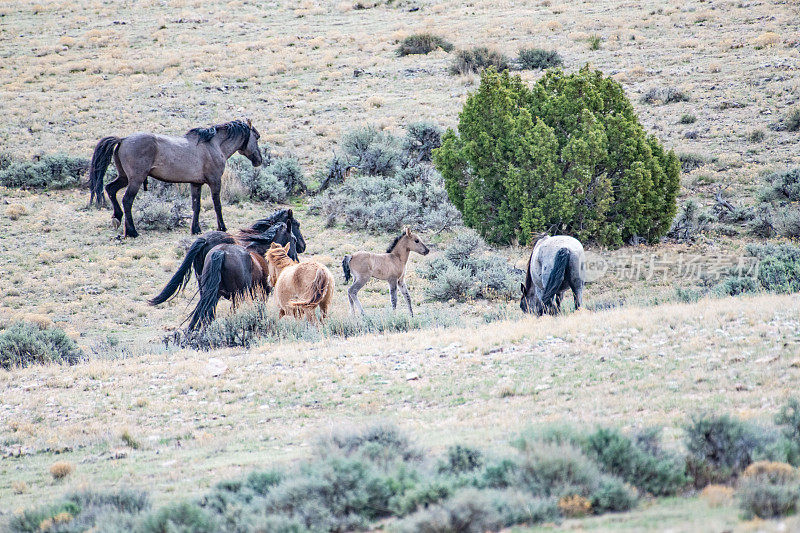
[[373, 152], [477, 59], [289, 173], [688, 118], [461, 459], [463, 271], [5, 161], [594, 42], [778, 266], [258, 323], [472, 511], [421, 139], [23, 344], [538, 59], [756, 136], [648, 468], [736, 285], [61, 469], [690, 161], [162, 208], [664, 95], [264, 186], [721, 447], [769, 490], [782, 186], [181, 517], [690, 223], [423, 43], [792, 120], [57, 171]]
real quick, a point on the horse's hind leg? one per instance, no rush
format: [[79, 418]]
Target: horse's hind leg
[[113, 187], [404, 290], [352, 296], [127, 206], [577, 292]]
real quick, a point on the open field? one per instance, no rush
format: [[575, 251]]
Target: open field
[[74, 71]]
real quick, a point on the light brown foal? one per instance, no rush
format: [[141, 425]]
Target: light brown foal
[[390, 266]]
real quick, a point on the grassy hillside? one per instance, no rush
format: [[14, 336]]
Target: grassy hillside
[[143, 414]]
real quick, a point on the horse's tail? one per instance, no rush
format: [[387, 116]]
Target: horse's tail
[[346, 267], [318, 288], [181, 277], [556, 279], [101, 158], [209, 290]]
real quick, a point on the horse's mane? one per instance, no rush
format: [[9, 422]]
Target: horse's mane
[[266, 223], [250, 235], [394, 243], [236, 128]]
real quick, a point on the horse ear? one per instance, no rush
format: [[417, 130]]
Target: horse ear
[[407, 230], [288, 245], [249, 124], [289, 214], [522, 287]]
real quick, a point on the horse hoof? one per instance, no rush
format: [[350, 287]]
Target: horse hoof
[[115, 222]]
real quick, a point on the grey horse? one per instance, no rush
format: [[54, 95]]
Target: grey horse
[[198, 157], [555, 265]]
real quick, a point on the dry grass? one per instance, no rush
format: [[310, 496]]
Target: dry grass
[[61, 469]]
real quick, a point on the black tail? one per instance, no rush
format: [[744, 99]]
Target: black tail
[[556, 279], [209, 290], [101, 158], [182, 276], [346, 268]]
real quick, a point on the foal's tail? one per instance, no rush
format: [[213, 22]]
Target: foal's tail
[[209, 290], [179, 280], [556, 279], [101, 158], [318, 288], [346, 268]]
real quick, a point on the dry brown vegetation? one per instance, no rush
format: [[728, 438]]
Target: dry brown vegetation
[[74, 71]]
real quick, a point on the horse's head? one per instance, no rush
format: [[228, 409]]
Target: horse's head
[[414, 243], [277, 259], [529, 302], [250, 147], [300, 242]]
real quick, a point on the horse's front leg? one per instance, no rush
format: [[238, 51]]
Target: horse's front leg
[[404, 290], [196, 208], [216, 187], [393, 293]]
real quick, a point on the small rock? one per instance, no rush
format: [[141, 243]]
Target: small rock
[[411, 376], [215, 367]]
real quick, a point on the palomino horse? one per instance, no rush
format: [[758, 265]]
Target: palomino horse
[[198, 157], [232, 272], [390, 266], [555, 265], [299, 287], [257, 238]]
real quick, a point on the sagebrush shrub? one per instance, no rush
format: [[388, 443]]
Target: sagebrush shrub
[[265, 186], [423, 43], [57, 171], [537, 58], [5, 161], [478, 59], [792, 120], [288, 172], [782, 186], [463, 272], [422, 138], [373, 152], [664, 95], [61, 469], [687, 118], [690, 223], [163, 211], [181, 517], [769, 490], [23, 344], [568, 153], [691, 161], [778, 266]]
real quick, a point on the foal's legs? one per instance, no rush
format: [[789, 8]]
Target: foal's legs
[[216, 187], [112, 189], [196, 208], [402, 284], [352, 295], [393, 293]]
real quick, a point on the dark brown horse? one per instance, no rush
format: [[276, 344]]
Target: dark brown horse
[[232, 272], [198, 157], [280, 227]]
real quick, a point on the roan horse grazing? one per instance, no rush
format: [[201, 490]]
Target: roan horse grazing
[[390, 266], [232, 272], [555, 265], [299, 287], [256, 238], [198, 157]]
